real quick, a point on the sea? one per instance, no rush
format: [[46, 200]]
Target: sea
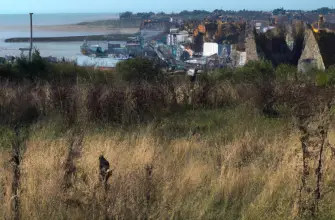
[[18, 25]]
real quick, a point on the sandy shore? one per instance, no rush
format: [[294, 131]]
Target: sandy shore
[[73, 28]]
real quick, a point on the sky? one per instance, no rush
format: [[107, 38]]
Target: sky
[[114, 6]]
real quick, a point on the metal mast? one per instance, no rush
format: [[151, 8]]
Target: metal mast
[[31, 36]]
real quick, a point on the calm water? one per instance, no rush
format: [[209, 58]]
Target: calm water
[[62, 49], [18, 26], [4, 34], [51, 19], [69, 50]]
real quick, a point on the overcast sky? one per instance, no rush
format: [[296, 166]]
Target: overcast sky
[[81, 6]]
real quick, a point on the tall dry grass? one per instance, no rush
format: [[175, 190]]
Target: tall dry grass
[[122, 102], [213, 153], [254, 176], [192, 179]]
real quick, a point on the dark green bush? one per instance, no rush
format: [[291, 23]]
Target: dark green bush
[[325, 78], [71, 73], [331, 72], [6, 70], [138, 69], [286, 72], [221, 74], [255, 71], [38, 68]]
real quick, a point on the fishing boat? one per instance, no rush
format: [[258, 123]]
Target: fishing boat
[[89, 50]]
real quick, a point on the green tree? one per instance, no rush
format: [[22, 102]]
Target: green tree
[[37, 68], [279, 11], [126, 14]]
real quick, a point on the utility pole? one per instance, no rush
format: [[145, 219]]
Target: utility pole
[[31, 36]]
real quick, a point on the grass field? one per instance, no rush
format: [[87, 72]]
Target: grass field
[[178, 150]]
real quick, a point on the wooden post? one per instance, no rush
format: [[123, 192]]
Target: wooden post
[[16, 154], [314, 141]]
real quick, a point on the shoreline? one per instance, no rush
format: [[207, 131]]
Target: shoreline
[[71, 33], [111, 37], [66, 28]]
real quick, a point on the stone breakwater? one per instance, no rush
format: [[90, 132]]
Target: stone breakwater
[[113, 37]]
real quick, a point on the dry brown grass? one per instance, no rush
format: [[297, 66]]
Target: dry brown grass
[[238, 164], [5, 185], [123, 103], [41, 177], [250, 178]]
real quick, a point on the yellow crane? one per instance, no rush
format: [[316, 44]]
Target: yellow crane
[[321, 25]]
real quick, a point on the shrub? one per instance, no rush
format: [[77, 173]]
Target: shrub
[[221, 74], [331, 72], [68, 72], [255, 71], [286, 72], [37, 68], [322, 78], [138, 69], [6, 70], [325, 78]]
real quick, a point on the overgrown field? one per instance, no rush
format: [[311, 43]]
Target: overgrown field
[[235, 144]]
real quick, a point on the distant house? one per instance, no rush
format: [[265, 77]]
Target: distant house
[[281, 19], [330, 18], [261, 26], [330, 27]]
